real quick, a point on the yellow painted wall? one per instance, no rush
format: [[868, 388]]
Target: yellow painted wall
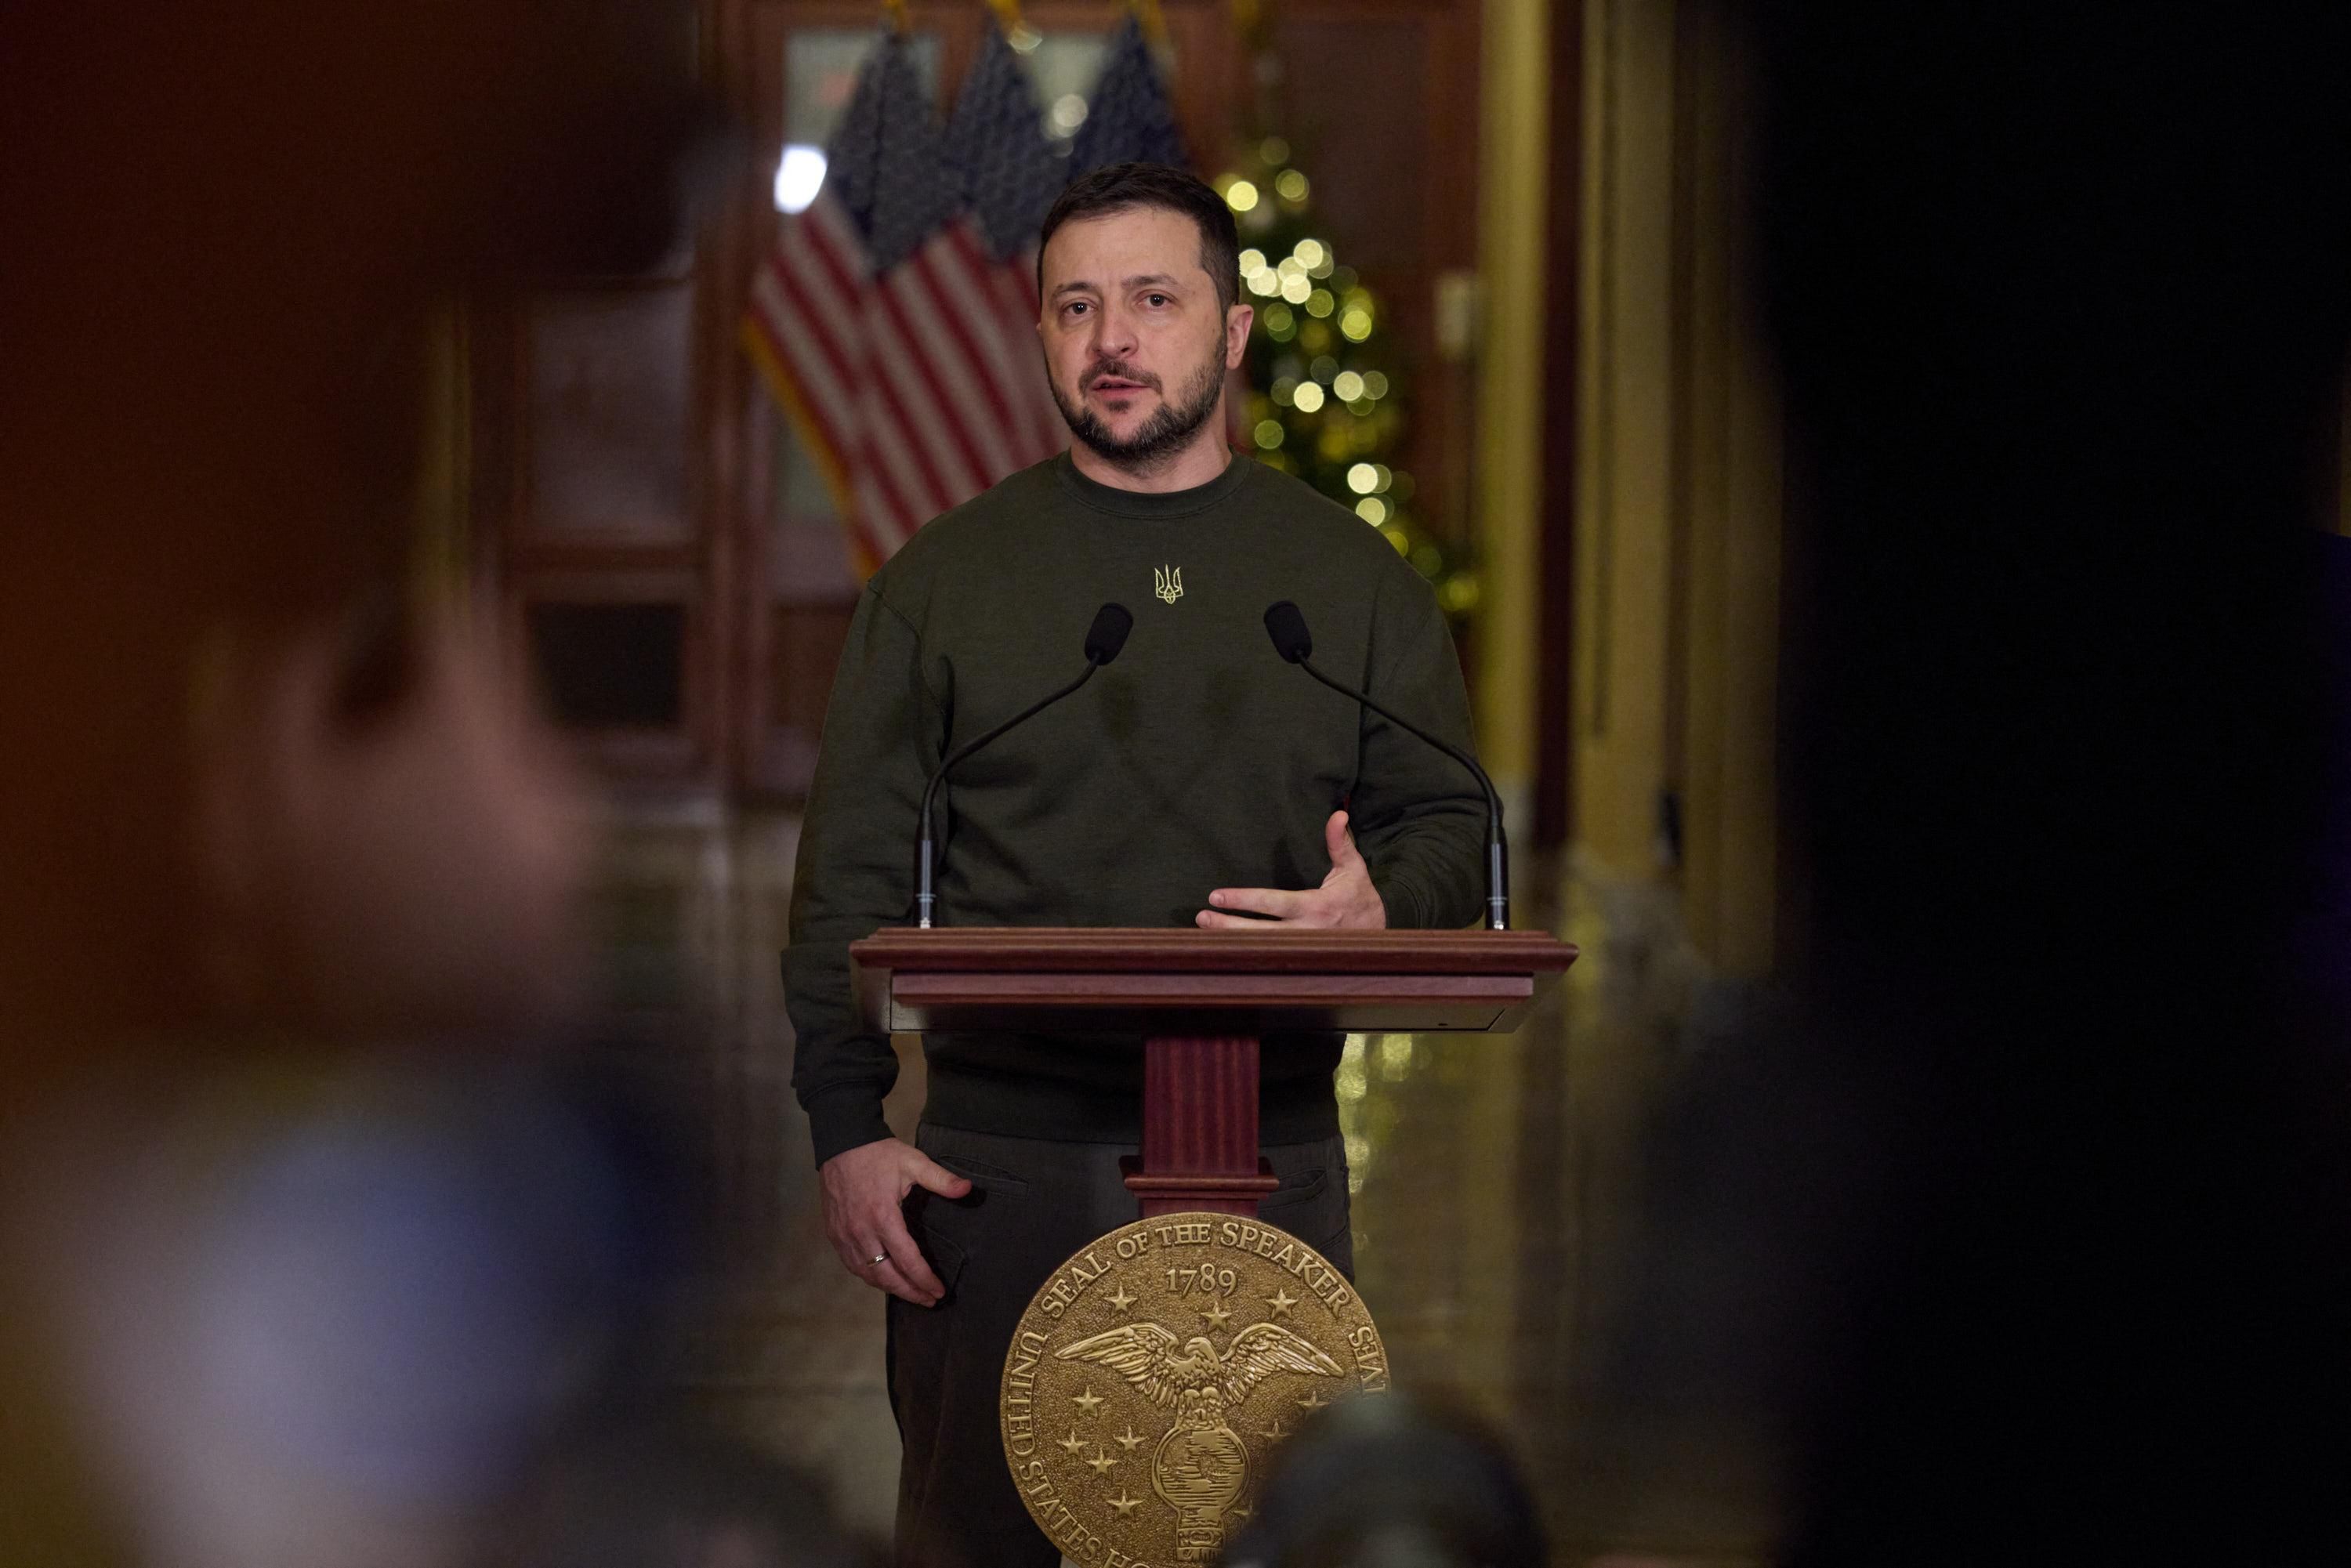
[[1729, 531], [1677, 484], [1513, 166], [1623, 450]]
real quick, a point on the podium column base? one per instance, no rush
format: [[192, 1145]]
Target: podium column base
[[1189, 1191]]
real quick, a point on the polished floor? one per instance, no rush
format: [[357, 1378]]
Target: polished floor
[[1495, 1202]]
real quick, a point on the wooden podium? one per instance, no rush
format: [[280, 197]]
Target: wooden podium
[[1201, 999]]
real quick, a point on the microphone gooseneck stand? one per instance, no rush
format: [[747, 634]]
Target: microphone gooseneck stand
[[1104, 638], [1286, 624]]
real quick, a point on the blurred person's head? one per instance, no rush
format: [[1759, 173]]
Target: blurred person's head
[[229, 753], [1140, 314], [247, 787], [1393, 1480]]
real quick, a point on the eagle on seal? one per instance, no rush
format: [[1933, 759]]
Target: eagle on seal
[[1195, 1379]]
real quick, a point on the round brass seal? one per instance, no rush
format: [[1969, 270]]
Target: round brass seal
[[1157, 1370]]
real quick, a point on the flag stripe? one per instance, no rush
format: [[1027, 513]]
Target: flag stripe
[[975, 292], [897, 473], [993, 301], [984, 292], [963, 364], [814, 277], [891, 423], [817, 367], [1017, 285], [963, 297], [906, 370], [1013, 286], [948, 368], [819, 381], [833, 249]]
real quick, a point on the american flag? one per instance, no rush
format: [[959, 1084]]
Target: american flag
[[1129, 119], [894, 332], [1010, 174]]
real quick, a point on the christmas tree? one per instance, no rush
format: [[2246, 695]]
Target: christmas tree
[[1327, 399]]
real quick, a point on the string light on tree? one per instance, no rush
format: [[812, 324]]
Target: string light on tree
[[1327, 401]]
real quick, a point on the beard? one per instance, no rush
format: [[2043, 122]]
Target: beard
[[1158, 438]]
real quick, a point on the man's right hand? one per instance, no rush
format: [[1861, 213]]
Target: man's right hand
[[862, 1190]]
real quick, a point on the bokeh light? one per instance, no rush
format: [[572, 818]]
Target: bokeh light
[[799, 178]]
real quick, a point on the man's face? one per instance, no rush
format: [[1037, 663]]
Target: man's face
[[1136, 344]]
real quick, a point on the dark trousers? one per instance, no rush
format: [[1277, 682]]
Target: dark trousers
[[1033, 1204]]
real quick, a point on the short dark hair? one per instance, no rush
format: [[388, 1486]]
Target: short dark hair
[[1116, 187]]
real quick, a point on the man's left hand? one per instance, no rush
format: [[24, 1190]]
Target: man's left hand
[[1346, 900]]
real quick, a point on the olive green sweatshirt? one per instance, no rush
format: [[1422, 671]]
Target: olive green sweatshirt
[[1197, 759]]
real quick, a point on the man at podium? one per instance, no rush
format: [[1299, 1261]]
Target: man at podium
[[1195, 781]]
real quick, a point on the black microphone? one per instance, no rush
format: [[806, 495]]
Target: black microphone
[[1287, 627], [1104, 638]]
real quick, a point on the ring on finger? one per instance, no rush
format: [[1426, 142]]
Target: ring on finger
[[877, 1258]]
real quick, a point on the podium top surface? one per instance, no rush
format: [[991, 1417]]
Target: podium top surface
[[1154, 981], [1096, 950]]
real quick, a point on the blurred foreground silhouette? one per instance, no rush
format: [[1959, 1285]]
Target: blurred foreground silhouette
[[319, 1242], [2024, 1236], [1399, 1481]]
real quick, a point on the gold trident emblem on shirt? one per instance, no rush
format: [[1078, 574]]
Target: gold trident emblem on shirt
[[1167, 581]]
